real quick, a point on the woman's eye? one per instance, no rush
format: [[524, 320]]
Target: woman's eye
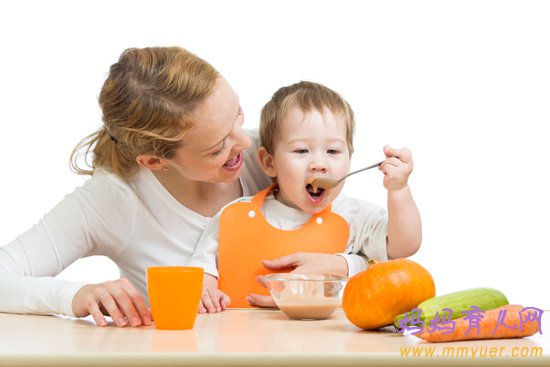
[[218, 152], [215, 154]]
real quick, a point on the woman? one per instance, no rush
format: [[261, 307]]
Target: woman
[[170, 154]]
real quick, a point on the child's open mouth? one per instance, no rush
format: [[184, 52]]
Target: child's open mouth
[[315, 194]]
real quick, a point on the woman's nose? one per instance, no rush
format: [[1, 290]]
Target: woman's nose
[[240, 137]]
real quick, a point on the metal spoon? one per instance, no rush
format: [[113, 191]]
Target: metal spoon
[[330, 183]]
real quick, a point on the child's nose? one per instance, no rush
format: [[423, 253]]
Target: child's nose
[[318, 164]]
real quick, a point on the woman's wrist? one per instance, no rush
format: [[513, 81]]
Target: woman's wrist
[[341, 265]]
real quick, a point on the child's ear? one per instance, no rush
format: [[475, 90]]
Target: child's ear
[[266, 161]]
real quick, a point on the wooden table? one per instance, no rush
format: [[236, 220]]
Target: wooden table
[[243, 338]]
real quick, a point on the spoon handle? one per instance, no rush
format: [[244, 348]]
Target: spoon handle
[[361, 170]]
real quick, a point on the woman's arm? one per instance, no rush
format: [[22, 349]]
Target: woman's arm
[[88, 221], [28, 263]]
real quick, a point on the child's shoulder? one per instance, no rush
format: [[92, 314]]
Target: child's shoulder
[[245, 199]]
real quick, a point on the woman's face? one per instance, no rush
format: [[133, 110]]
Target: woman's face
[[213, 147]]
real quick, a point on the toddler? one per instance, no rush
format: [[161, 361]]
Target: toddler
[[306, 131]]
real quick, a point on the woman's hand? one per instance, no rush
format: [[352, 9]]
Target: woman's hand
[[397, 167], [117, 299], [300, 262], [310, 262], [212, 300], [258, 300]]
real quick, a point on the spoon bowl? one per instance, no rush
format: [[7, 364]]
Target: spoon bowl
[[330, 183]]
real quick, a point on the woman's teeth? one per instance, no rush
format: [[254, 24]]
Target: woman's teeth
[[233, 162]]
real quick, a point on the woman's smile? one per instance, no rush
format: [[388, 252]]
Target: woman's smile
[[234, 163]]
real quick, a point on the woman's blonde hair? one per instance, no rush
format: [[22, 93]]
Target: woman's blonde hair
[[306, 96], [145, 100]]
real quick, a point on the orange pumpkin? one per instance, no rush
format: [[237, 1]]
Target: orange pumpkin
[[375, 296]]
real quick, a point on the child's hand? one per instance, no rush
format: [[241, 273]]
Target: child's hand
[[212, 300], [397, 167]]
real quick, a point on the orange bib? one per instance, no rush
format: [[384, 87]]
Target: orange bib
[[246, 238]]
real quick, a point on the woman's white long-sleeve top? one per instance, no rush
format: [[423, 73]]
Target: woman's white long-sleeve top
[[136, 223]]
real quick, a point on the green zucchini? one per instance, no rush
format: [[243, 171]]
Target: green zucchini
[[484, 298]]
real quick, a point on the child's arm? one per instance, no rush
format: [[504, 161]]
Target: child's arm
[[404, 225], [205, 256], [212, 299]]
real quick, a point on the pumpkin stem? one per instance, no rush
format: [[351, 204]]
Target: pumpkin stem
[[371, 261]]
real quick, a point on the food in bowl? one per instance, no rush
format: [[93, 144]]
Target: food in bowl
[[306, 296]]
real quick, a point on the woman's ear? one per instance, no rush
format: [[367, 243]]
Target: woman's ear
[[266, 161], [152, 162]]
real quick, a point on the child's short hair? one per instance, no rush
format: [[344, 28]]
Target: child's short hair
[[306, 96]]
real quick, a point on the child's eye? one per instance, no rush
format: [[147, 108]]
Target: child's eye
[[301, 151], [333, 151]]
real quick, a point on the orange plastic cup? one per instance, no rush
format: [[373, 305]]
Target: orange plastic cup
[[174, 295]]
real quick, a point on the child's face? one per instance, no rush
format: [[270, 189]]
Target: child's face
[[309, 144]]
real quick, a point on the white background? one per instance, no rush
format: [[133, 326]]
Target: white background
[[464, 84]]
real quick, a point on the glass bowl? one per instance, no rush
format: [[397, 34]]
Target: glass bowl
[[306, 296]]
